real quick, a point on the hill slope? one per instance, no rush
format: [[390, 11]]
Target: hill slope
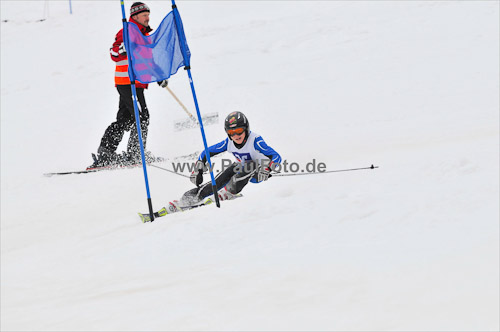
[[414, 245]]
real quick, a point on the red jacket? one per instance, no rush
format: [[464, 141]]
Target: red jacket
[[121, 72]]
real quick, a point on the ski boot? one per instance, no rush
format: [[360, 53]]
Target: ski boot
[[225, 195], [105, 158]]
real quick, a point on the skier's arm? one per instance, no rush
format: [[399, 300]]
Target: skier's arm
[[264, 170], [117, 51], [197, 174], [261, 146], [214, 150]]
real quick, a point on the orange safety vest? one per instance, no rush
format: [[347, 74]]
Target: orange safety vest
[[121, 71], [121, 74]]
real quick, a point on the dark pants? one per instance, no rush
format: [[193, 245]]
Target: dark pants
[[234, 178], [125, 121]]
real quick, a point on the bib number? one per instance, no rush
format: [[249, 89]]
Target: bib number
[[242, 157]]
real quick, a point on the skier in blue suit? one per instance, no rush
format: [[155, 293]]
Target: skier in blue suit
[[255, 161]]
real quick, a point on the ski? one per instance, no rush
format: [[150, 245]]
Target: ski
[[93, 170], [171, 209], [103, 168]]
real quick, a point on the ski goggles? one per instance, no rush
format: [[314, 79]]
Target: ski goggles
[[237, 131]]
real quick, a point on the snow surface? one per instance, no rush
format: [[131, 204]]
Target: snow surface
[[410, 86]]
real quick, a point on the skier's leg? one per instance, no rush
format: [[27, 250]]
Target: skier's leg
[[113, 135], [133, 147], [239, 180], [111, 138], [196, 195]]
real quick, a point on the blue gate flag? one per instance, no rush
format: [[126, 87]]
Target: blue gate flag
[[158, 56]]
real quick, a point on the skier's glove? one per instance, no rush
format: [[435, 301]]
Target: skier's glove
[[264, 171], [197, 174], [163, 83], [122, 50]]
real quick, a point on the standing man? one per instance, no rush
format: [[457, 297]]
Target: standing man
[[125, 119]]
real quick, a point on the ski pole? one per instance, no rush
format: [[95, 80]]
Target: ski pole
[[191, 116], [333, 171], [165, 169]]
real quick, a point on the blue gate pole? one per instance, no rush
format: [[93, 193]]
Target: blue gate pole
[[70, 8], [131, 75], [180, 33], [202, 129]]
